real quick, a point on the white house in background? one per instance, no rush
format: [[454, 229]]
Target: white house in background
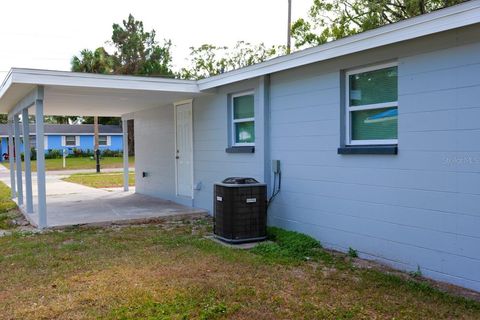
[[377, 135]]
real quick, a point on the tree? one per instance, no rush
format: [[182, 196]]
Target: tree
[[102, 120], [98, 61], [209, 60], [334, 19], [137, 52]]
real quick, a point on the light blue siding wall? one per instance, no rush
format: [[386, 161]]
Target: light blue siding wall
[[86, 143], [418, 208], [55, 142], [116, 143], [211, 138]]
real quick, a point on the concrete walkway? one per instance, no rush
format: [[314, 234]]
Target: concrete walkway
[[71, 204]]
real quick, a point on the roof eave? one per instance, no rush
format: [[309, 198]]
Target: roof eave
[[442, 20]]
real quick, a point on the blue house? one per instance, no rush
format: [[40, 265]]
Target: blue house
[[70, 137]]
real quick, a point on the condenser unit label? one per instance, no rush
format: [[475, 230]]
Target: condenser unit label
[[219, 199], [251, 200]]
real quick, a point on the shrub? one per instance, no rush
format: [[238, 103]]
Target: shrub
[[288, 246], [111, 153], [80, 153], [53, 154], [352, 253], [33, 153]]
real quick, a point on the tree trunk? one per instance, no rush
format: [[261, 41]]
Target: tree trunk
[[95, 131], [131, 137]]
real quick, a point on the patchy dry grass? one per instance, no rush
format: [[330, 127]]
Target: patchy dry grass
[[173, 272], [101, 180], [8, 208]]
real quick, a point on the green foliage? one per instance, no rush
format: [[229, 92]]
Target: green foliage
[[81, 153], [417, 273], [209, 60], [53, 154], [352, 253], [334, 19], [58, 119], [194, 305], [137, 52], [111, 153], [289, 246], [6, 206], [102, 120], [97, 61]]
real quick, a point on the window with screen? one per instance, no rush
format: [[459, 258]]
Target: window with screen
[[243, 119], [372, 106], [70, 141], [102, 140]]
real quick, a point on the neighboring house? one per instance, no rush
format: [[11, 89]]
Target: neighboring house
[[378, 135], [65, 136]]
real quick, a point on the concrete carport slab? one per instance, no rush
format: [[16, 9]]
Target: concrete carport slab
[[71, 204]]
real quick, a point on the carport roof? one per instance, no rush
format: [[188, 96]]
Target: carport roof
[[73, 93]]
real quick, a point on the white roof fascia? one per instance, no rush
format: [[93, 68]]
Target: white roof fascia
[[88, 80], [442, 20], [6, 83]]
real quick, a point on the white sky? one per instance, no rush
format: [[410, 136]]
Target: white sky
[[46, 34]]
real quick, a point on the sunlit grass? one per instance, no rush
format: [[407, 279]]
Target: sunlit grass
[[101, 180]]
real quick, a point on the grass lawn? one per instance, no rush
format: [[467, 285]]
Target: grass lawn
[[173, 272], [8, 209], [101, 180], [80, 163]]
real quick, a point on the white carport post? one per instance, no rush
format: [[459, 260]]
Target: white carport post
[[18, 160], [28, 170], [125, 154], [42, 197], [10, 157]]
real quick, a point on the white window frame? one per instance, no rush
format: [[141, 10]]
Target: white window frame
[[108, 141], [348, 109], [64, 141], [234, 121]]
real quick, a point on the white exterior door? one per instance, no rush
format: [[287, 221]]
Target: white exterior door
[[184, 149]]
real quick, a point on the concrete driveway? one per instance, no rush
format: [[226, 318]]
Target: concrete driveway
[[71, 204]]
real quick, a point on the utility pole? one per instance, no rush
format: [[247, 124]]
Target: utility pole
[[289, 27]]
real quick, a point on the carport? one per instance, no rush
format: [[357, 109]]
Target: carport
[[26, 92]]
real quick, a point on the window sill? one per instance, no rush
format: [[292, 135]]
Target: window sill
[[244, 149], [386, 149]]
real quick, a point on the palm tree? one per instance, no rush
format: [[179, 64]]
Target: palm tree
[[98, 61]]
